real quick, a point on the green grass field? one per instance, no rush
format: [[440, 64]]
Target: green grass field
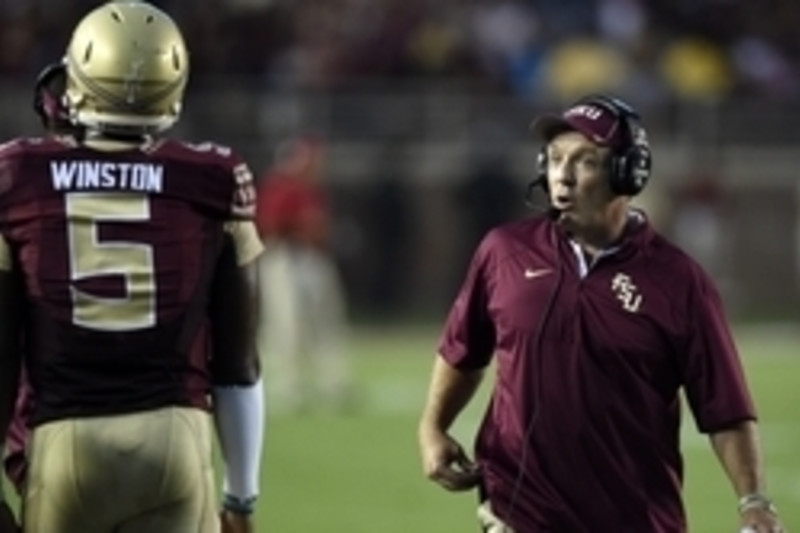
[[360, 472]]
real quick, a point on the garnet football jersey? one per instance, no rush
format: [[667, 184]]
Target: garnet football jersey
[[117, 250]]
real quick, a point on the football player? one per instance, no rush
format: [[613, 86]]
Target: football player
[[127, 266], [303, 335]]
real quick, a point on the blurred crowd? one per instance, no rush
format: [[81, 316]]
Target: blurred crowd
[[398, 166], [647, 49]]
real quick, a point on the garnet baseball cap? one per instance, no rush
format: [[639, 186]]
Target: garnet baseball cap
[[597, 122]]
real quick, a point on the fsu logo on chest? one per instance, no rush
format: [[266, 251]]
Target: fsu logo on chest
[[626, 292]]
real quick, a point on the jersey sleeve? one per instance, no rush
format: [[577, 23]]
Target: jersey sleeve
[[245, 239], [5, 255], [226, 190], [467, 341], [712, 372], [243, 202]]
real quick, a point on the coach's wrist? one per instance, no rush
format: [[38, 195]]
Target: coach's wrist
[[756, 500], [242, 506]]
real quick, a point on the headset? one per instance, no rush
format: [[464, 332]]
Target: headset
[[631, 163]]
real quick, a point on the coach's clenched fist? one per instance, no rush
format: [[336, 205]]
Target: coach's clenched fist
[[444, 461]]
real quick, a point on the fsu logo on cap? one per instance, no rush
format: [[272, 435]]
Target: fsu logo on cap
[[589, 111]]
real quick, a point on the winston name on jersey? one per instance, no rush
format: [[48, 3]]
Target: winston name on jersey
[[93, 175]]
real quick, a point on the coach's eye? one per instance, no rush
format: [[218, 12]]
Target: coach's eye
[[591, 163]]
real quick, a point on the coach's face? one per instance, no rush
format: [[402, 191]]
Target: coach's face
[[577, 174]]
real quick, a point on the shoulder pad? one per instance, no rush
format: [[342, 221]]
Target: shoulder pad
[[226, 164]]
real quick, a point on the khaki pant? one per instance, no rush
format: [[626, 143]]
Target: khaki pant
[[148, 472], [489, 521]]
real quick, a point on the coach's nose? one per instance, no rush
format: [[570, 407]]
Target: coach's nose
[[562, 173]]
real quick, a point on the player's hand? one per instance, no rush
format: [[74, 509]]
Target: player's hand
[[8, 523], [236, 523], [761, 520], [444, 461]]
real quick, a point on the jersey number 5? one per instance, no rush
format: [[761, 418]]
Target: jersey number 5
[[91, 258]]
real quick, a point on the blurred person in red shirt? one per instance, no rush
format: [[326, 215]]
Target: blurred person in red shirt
[[304, 322], [291, 203]]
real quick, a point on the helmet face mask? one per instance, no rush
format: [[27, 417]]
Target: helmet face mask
[[48, 101], [127, 67]]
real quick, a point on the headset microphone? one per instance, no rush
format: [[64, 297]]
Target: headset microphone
[[529, 193], [552, 212]]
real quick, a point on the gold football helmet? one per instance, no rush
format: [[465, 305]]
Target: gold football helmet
[[127, 67]]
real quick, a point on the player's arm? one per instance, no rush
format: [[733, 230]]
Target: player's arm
[[10, 355], [235, 368], [443, 459]]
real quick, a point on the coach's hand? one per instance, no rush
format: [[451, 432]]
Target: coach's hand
[[236, 523], [7, 522], [444, 461]]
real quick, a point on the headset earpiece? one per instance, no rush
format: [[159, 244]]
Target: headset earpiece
[[541, 169], [630, 166], [540, 179]]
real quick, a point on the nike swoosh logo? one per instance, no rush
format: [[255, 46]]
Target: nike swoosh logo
[[537, 273]]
